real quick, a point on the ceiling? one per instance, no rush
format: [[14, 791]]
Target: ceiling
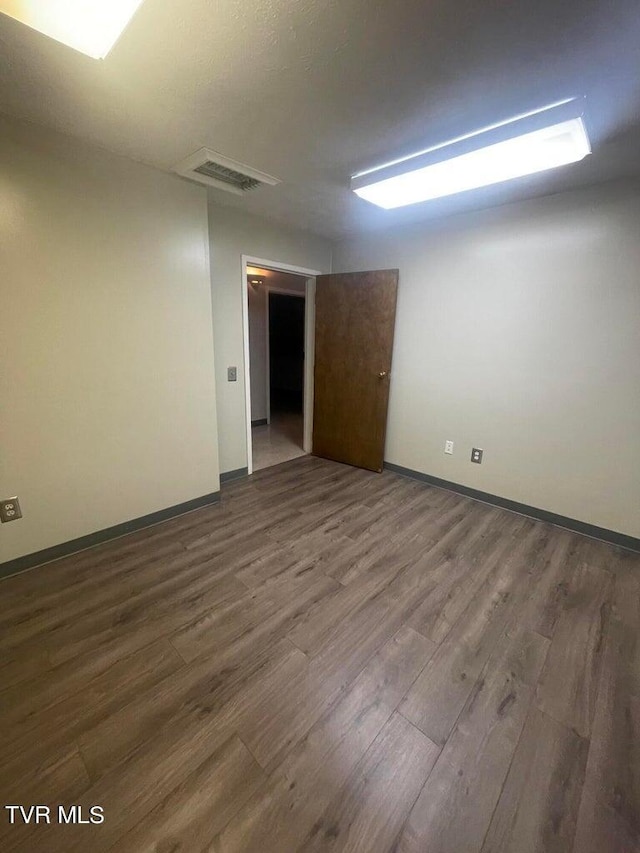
[[312, 91]]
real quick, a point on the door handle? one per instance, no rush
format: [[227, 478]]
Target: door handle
[[382, 374]]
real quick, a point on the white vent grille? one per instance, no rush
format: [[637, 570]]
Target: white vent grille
[[214, 170]]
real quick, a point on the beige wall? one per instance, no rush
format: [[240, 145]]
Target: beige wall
[[518, 331], [233, 234], [258, 351], [107, 394]]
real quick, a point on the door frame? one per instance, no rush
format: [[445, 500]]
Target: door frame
[[268, 289], [309, 344]]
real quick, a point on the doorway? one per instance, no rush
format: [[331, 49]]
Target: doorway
[[276, 312], [355, 326], [278, 320]]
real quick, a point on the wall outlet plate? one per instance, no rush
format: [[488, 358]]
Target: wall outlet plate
[[448, 447], [10, 510], [476, 455], [232, 374]]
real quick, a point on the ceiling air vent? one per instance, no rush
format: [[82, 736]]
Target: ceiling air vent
[[210, 168]]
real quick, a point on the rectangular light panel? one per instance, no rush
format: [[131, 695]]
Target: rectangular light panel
[[90, 26], [411, 180]]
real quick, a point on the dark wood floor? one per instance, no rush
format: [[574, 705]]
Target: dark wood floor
[[330, 660]]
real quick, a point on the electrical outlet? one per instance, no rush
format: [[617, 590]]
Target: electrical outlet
[[10, 510], [476, 455], [232, 374], [448, 447]]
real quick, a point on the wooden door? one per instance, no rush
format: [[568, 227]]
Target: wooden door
[[355, 318]]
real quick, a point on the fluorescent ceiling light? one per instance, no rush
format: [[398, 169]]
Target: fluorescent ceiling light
[[533, 143], [90, 26]]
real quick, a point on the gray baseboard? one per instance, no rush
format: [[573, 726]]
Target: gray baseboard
[[234, 475], [602, 533], [259, 422], [29, 561]]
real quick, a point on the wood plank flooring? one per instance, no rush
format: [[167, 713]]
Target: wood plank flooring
[[329, 660]]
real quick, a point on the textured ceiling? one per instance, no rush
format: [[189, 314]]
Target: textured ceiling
[[313, 90]]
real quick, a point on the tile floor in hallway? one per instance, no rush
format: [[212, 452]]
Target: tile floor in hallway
[[279, 441]]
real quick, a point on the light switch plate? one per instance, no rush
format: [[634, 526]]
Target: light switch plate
[[10, 510], [476, 455], [232, 374]]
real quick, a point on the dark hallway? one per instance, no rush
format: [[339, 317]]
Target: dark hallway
[[286, 353]]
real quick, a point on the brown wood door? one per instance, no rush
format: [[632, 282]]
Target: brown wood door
[[355, 318]]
